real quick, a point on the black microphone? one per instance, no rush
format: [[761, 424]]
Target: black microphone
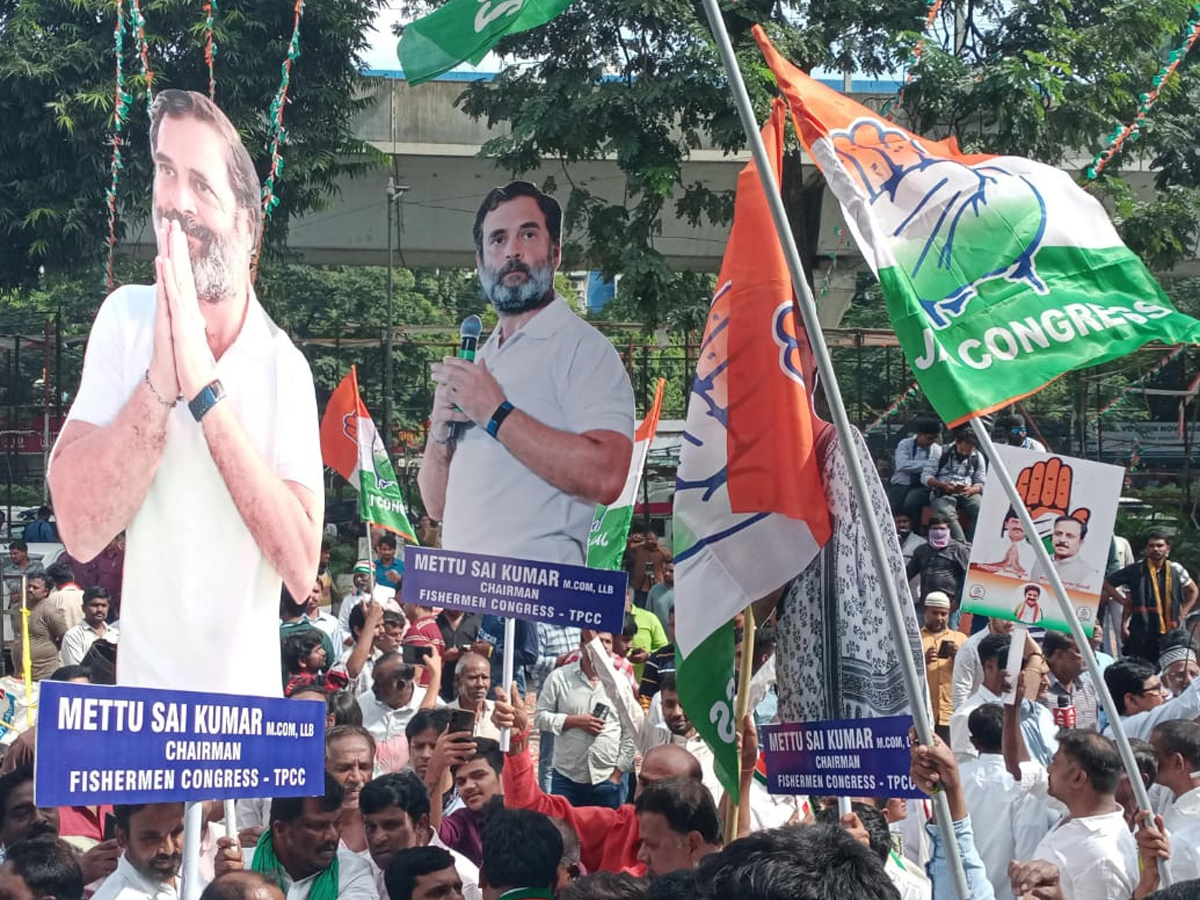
[[472, 327]]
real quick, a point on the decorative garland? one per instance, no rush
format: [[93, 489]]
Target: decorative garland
[[138, 28], [1132, 131], [840, 231], [896, 406], [121, 101], [210, 46], [1130, 388], [279, 133], [934, 7]]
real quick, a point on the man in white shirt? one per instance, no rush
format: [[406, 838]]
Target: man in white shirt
[[1177, 660], [1037, 723], [1092, 847], [1176, 743], [1068, 537], [94, 627], [473, 679], [1142, 700], [195, 429], [303, 841], [323, 621], [528, 438], [393, 698], [395, 813], [968, 670], [667, 723], [363, 587], [151, 838], [1008, 822]]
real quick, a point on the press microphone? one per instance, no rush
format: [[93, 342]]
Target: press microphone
[[468, 341], [472, 327]]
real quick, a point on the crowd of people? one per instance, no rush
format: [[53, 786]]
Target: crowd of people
[[420, 801], [606, 789]]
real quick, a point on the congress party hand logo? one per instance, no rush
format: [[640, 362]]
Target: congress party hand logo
[[1045, 489]]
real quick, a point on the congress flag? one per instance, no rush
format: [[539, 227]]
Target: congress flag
[[1000, 273], [465, 30], [351, 446], [610, 526], [749, 508]]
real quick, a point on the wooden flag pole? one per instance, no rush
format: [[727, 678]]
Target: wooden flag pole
[[26, 662], [915, 686], [745, 673]]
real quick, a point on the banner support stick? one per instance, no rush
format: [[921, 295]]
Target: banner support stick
[[914, 685], [231, 829], [745, 673], [193, 825], [510, 638], [1068, 611]]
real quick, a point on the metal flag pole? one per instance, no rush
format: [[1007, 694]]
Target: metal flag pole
[[1068, 610], [808, 311]]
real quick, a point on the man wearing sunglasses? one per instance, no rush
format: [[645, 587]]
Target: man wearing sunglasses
[[1143, 701], [1013, 431]]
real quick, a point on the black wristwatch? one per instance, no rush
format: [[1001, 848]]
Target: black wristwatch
[[498, 417], [212, 394]]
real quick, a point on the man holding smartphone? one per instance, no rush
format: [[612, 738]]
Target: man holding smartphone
[[941, 646], [591, 751], [424, 633]]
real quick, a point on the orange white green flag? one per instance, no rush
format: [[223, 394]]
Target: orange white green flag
[[610, 525], [1000, 273], [749, 510], [351, 446]]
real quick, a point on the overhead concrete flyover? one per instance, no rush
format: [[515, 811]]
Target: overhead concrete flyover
[[435, 151]]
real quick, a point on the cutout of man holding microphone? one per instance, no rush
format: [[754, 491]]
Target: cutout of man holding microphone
[[525, 440]]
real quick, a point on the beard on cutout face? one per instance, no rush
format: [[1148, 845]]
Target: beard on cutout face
[[212, 263], [532, 293]]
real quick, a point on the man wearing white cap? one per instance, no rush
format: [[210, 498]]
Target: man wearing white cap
[[1177, 661], [363, 590], [941, 645]]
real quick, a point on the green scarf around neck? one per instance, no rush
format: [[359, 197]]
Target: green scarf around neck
[[325, 885]]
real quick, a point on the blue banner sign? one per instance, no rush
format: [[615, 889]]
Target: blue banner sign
[[847, 758], [100, 744], [515, 588]]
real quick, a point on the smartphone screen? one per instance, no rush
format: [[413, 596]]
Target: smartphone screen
[[414, 654]]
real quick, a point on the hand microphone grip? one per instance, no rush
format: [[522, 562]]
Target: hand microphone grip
[[472, 327]]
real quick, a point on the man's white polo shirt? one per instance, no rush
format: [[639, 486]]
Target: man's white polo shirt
[[192, 567], [563, 372]]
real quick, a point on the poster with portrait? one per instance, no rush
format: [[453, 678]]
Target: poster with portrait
[[1073, 503]]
